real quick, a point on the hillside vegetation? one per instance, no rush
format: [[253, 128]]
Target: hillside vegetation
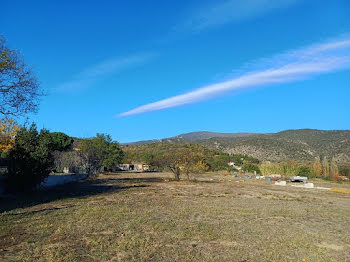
[[299, 145], [163, 155], [191, 137]]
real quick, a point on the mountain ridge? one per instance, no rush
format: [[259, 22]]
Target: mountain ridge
[[292, 144], [191, 136]]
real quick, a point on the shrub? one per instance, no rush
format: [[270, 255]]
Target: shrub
[[30, 159], [305, 171], [251, 168]]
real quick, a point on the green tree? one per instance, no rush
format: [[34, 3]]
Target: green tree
[[100, 151], [30, 160], [113, 157], [60, 141], [148, 158], [305, 171], [220, 162], [251, 168], [19, 87]]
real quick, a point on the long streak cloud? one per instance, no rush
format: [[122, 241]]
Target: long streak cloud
[[287, 67]]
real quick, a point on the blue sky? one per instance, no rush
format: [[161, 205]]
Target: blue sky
[[152, 69]]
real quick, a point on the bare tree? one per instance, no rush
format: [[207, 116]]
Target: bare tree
[[19, 87], [325, 167], [317, 166], [333, 169]]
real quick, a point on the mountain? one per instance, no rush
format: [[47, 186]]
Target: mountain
[[201, 135], [299, 145], [191, 137]]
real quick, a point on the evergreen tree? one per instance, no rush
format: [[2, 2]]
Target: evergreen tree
[[30, 160]]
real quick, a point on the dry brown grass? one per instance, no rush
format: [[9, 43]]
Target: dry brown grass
[[146, 217]]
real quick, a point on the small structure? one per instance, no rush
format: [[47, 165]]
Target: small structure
[[280, 183], [275, 176], [75, 170], [123, 167], [133, 167], [307, 185], [298, 179]]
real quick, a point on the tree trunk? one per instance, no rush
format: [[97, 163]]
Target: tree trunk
[[176, 171], [188, 174]]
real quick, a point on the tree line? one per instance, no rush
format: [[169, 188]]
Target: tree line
[[186, 158], [32, 155]]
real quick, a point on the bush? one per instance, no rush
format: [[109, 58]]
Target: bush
[[30, 160], [251, 168], [345, 171], [305, 171]]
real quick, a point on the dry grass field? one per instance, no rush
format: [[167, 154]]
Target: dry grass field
[[147, 217]]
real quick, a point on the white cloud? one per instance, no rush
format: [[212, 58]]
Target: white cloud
[[228, 11], [103, 69], [289, 66]]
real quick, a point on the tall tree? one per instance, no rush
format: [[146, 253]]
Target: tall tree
[[19, 87], [333, 170], [61, 141], [325, 167], [100, 151], [317, 166], [30, 160]]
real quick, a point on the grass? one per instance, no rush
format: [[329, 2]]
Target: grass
[[340, 190], [147, 217]]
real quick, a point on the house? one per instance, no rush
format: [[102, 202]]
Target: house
[[139, 167], [124, 167]]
